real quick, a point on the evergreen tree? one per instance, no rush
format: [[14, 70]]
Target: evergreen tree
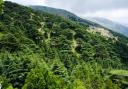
[[1, 6]]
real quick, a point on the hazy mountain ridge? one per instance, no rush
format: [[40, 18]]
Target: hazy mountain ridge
[[107, 24], [65, 14], [111, 25]]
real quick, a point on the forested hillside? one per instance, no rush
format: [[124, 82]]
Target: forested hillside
[[89, 21], [43, 51], [111, 25], [64, 14]]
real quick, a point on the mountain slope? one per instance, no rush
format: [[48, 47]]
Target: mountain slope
[[111, 25], [43, 51], [96, 22], [65, 14]]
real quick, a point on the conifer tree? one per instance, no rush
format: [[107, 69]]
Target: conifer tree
[[1, 6]]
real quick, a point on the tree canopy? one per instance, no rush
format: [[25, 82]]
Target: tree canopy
[[39, 50]]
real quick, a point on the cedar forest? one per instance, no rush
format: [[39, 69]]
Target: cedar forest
[[39, 50]]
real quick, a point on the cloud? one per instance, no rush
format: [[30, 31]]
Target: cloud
[[80, 6], [118, 15]]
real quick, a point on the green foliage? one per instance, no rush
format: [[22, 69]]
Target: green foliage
[[14, 68], [91, 75], [9, 42], [10, 87], [63, 25], [42, 78], [36, 79], [43, 51], [3, 81], [1, 6], [78, 85]]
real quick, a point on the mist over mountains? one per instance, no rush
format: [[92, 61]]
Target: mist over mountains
[[111, 25], [97, 22]]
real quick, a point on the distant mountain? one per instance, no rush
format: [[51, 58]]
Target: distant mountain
[[65, 14], [111, 25], [96, 22]]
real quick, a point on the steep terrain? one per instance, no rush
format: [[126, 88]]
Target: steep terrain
[[111, 25], [65, 14], [44, 51], [96, 22]]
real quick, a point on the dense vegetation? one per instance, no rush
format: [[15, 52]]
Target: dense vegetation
[[89, 21], [65, 14], [1, 6], [43, 51]]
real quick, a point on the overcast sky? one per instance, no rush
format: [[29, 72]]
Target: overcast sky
[[116, 10]]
